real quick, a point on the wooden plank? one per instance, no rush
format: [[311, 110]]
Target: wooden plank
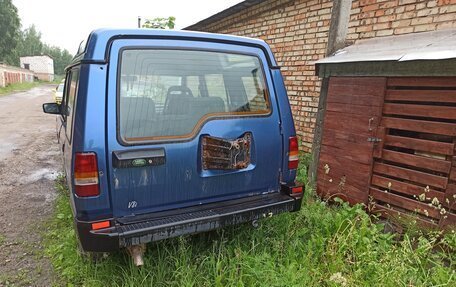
[[418, 161], [346, 192], [342, 163], [453, 174], [451, 188], [354, 109], [398, 216], [378, 147], [441, 112], [368, 91], [334, 172], [345, 95], [358, 124], [450, 196], [405, 188], [422, 81], [405, 203], [356, 81], [411, 175], [433, 96], [362, 155], [419, 144], [337, 138], [420, 126], [357, 180], [448, 222]]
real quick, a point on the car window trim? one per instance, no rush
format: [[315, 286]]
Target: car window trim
[[70, 136]]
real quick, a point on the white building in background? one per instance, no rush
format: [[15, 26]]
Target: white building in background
[[43, 66]]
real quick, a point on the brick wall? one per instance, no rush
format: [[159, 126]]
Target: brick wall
[[297, 31], [10, 75], [38, 64], [378, 18]]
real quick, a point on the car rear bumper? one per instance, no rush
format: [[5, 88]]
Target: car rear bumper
[[146, 228]]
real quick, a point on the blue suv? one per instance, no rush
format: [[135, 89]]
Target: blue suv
[[165, 133]]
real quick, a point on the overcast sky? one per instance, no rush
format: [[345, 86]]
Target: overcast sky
[[66, 23]]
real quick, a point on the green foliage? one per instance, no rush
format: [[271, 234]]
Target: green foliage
[[15, 43], [61, 58], [321, 245], [9, 31], [31, 45], [160, 23]]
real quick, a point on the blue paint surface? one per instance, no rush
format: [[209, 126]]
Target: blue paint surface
[[180, 182]]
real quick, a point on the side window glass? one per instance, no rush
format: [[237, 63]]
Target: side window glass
[[72, 92], [254, 89], [65, 96], [194, 85], [216, 87]]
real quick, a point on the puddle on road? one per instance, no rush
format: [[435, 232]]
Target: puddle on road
[[6, 149], [42, 173]]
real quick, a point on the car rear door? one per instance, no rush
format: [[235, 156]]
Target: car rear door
[[188, 123]]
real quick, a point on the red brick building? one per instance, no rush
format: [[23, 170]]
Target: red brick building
[[303, 31]]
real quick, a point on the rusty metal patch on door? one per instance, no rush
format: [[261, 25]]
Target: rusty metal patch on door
[[226, 154]]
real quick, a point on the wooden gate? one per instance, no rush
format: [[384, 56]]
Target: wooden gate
[[353, 112], [414, 168]]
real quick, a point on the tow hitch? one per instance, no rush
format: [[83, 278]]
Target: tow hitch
[[137, 252]]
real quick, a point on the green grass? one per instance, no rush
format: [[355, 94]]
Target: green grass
[[18, 87], [322, 245]]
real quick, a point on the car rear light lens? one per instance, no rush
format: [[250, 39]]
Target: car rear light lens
[[100, 225], [86, 174], [293, 153], [297, 189]]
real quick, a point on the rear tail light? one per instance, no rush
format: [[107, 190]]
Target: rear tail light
[[101, 225], [293, 153], [86, 174], [297, 189]]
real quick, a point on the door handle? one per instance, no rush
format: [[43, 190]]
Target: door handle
[[371, 120]]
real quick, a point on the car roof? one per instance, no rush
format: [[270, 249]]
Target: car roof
[[95, 49]]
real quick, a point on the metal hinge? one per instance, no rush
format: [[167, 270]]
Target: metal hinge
[[374, 140]]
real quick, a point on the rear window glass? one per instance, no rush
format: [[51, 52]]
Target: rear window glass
[[170, 93]]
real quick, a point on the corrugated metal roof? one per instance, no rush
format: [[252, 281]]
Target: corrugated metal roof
[[223, 14], [435, 45]]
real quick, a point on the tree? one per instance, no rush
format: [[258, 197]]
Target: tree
[[15, 43], [61, 58], [31, 44], [160, 23], [9, 32]]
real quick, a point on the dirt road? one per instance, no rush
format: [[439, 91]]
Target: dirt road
[[29, 163]]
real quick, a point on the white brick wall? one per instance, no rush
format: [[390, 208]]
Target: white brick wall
[[39, 64]]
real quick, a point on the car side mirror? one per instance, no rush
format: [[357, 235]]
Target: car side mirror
[[51, 108]]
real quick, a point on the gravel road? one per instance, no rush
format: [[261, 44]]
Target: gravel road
[[29, 163]]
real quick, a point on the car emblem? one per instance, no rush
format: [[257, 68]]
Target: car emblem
[[139, 162]]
